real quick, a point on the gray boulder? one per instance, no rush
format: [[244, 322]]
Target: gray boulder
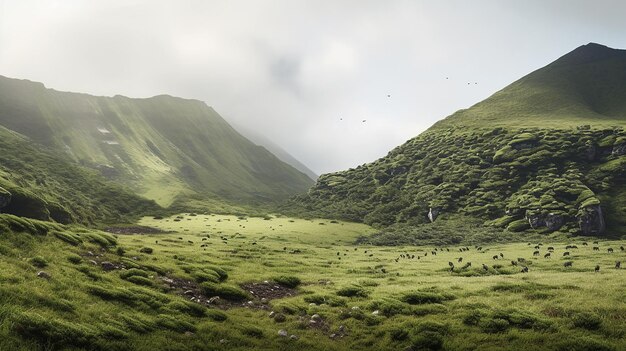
[[554, 221], [591, 220]]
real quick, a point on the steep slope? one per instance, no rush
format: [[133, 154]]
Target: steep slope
[[164, 148], [547, 153], [44, 185]]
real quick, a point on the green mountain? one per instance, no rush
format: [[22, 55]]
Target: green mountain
[[167, 149], [44, 185], [545, 154]]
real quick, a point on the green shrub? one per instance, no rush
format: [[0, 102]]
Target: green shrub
[[216, 315], [146, 250], [586, 320], [472, 318], [74, 258], [494, 325], [134, 272], [288, 281], [228, 292], [422, 297], [352, 291], [190, 308], [38, 262], [69, 238]]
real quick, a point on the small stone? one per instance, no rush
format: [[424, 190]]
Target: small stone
[[272, 314], [250, 303], [223, 341], [89, 253], [107, 266], [356, 308], [263, 300], [316, 317], [44, 275], [214, 300], [342, 328], [376, 313], [283, 333], [332, 336], [93, 262], [188, 292], [293, 337], [312, 304]]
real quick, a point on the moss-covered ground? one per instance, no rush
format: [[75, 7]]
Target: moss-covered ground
[[365, 297]]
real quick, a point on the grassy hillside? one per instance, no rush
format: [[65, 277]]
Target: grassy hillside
[[546, 154], [586, 86], [43, 185], [164, 148]]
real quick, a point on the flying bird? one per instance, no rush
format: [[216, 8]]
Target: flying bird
[[364, 120]]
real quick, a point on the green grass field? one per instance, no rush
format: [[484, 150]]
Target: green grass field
[[359, 297]]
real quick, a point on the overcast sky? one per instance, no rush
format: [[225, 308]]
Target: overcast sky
[[303, 73]]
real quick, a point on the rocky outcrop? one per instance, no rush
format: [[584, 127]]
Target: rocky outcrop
[[554, 221], [619, 150], [591, 220], [5, 198], [536, 220]]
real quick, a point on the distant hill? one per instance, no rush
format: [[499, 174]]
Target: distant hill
[[546, 154], [278, 151], [164, 148]]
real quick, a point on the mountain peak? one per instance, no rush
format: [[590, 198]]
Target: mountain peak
[[591, 52]]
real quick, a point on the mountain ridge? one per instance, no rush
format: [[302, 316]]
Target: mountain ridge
[[165, 148]]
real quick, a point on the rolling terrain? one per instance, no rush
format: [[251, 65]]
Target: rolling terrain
[[545, 154]]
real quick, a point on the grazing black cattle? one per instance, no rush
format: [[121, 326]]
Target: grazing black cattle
[[189, 241], [460, 259], [618, 264], [513, 263], [480, 248], [338, 253], [467, 265], [595, 242], [450, 264], [568, 247], [537, 247], [434, 253], [525, 270], [412, 256], [566, 253], [396, 260], [550, 248], [574, 247], [521, 259], [546, 255], [447, 249], [371, 255], [495, 257], [485, 267], [501, 255], [536, 253], [365, 251], [621, 248], [285, 248], [383, 270], [585, 243], [567, 264], [595, 248], [609, 250], [597, 269], [203, 239]]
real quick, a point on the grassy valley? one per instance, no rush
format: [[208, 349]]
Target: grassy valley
[[151, 224]]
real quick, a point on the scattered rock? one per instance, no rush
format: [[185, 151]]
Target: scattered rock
[[272, 314], [376, 313], [293, 337], [316, 317], [283, 333], [44, 275], [93, 262], [108, 266]]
